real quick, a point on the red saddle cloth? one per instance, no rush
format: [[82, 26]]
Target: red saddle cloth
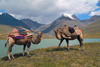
[[17, 34], [11, 36]]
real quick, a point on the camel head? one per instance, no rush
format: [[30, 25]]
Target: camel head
[[57, 34], [56, 30], [39, 34], [37, 40]]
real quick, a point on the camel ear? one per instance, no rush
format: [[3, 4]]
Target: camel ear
[[65, 25]]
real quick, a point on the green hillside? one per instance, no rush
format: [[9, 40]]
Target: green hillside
[[6, 29], [92, 30]]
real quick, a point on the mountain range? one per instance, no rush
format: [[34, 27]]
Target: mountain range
[[93, 27], [90, 20], [32, 24], [6, 19], [68, 19]]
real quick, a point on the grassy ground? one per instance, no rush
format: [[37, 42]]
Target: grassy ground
[[50, 57], [91, 35], [3, 37]]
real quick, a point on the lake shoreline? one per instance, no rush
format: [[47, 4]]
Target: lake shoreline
[[50, 57], [89, 35], [45, 43]]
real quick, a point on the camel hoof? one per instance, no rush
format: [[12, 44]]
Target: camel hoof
[[83, 50], [13, 58], [9, 59], [23, 55], [68, 50], [79, 49], [28, 56], [57, 49]]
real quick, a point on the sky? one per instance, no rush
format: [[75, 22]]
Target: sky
[[47, 11]]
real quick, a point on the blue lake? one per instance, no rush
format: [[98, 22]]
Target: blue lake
[[44, 43]]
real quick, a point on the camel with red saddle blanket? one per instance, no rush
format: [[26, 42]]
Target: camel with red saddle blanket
[[68, 33], [25, 40]]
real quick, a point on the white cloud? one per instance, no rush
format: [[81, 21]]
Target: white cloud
[[0, 13], [45, 11], [95, 13]]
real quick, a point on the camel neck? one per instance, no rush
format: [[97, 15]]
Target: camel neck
[[58, 36]]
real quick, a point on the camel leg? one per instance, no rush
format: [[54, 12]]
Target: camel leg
[[28, 46], [10, 51], [81, 42], [60, 43], [24, 49], [68, 44], [12, 55]]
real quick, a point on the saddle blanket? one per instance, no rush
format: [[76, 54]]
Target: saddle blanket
[[19, 37], [22, 33], [16, 37], [78, 32], [11, 36]]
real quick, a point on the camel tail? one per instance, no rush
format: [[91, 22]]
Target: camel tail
[[6, 42], [6, 45]]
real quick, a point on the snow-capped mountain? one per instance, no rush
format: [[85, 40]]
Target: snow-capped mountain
[[68, 19], [68, 15]]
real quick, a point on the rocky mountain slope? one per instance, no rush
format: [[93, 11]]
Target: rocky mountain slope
[[92, 24], [90, 20], [69, 20], [43, 27], [94, 27], [32, 24], [6, 19]]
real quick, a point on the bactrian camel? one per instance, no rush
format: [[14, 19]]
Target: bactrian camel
[[25, 42], [64, 34]]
